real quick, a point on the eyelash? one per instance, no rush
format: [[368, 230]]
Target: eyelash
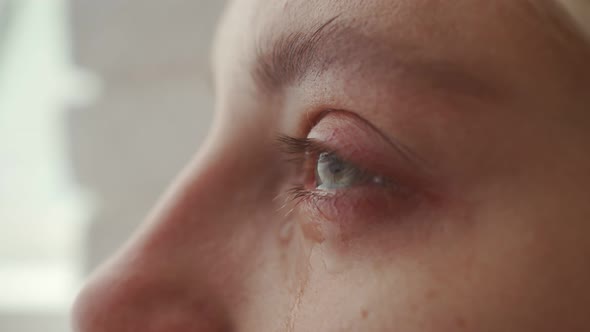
[[304, 154]]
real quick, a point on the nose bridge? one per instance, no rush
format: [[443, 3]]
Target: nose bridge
[[176, 272]]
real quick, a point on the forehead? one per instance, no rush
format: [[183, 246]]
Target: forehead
[[265, 15], [426, 20], [499, 34]]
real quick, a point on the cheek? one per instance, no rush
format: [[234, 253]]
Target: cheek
[[479, 265], [400, 294], [515, 265]]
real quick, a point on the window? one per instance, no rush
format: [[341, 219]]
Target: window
[[42, 210]]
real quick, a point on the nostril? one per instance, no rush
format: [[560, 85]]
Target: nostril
[[120, 304]]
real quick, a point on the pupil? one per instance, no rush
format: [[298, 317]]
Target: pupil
[[335, 167]]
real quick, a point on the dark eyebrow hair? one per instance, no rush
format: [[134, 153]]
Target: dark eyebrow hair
[[285, 59]]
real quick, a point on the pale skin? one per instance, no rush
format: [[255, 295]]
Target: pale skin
[[471, 117]]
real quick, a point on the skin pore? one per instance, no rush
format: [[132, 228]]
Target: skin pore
[[453, 141]]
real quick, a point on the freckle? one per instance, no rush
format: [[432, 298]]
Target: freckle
[[431, 294], [460, 322], [364, 314]]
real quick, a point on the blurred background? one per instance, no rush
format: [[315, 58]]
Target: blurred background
[[101, 103]]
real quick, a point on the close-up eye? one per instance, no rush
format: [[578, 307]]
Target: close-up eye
[[322, 169], [345, 171], [333, 173]]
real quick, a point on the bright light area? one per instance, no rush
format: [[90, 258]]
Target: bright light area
[[42, 211]]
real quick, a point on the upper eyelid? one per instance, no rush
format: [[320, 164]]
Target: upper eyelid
[[294, 145], [299, 147], [409, 155]]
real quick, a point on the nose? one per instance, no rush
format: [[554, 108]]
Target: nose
[[180, 272]]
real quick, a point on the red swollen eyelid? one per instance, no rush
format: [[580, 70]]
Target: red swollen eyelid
[[362, 145]]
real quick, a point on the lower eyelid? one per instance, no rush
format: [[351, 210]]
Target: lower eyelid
[[367, 204]]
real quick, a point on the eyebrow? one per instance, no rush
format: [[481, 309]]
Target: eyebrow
[[289, 58]]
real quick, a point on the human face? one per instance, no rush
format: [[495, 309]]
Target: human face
[[438, 178]]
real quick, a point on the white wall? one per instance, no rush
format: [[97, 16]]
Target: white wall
[[155, 108], [152, 110]]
